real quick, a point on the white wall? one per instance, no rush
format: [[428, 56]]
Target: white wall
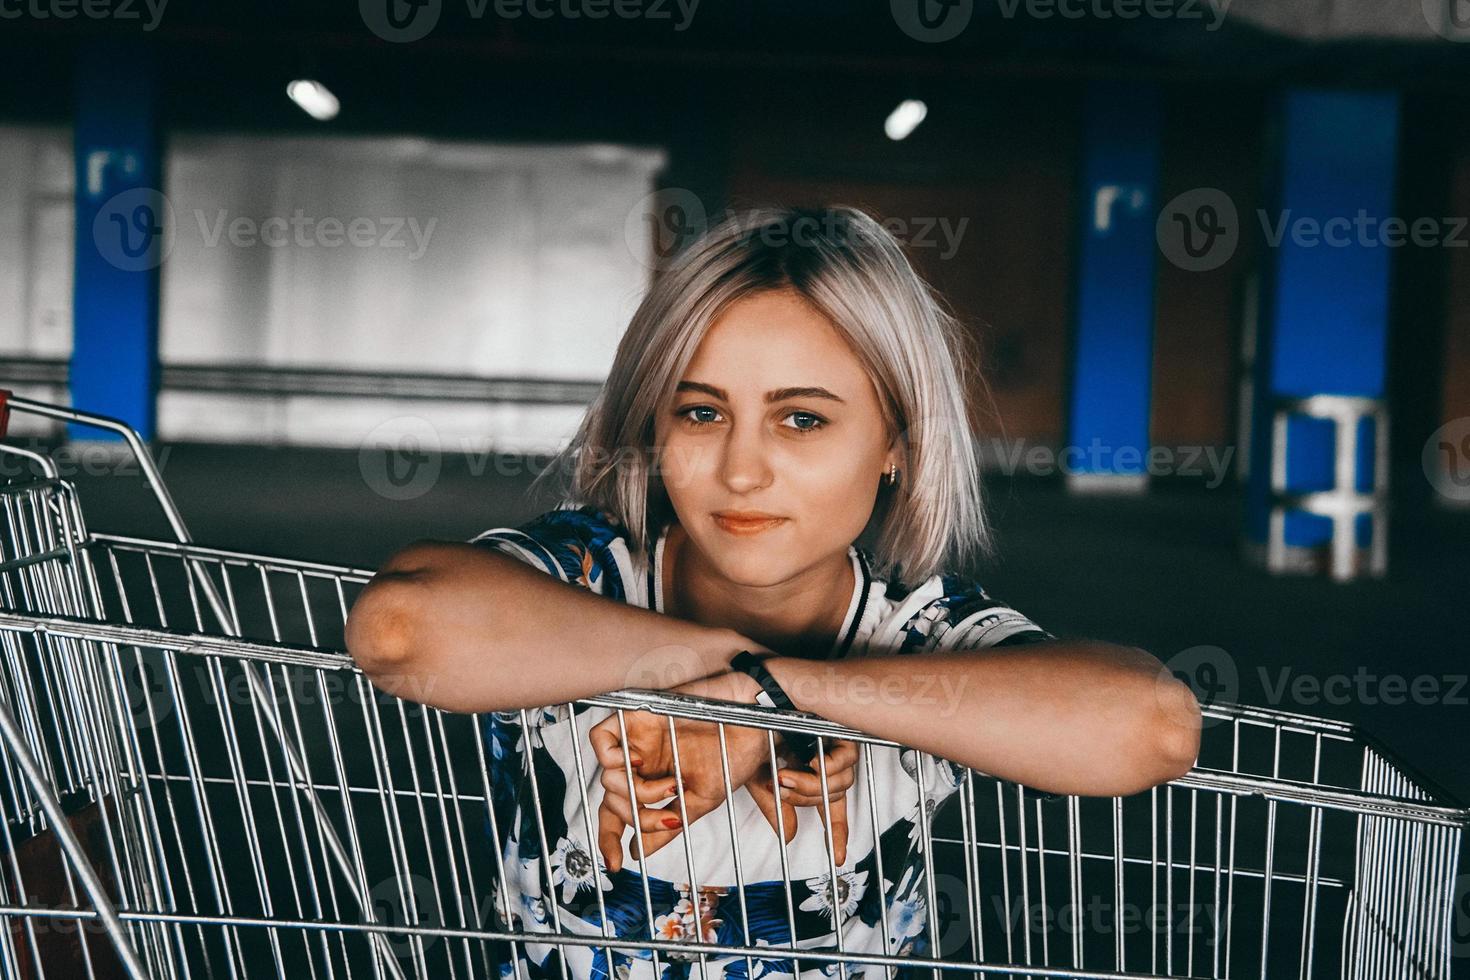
[[35, 253], [470, 259], [466, 259]]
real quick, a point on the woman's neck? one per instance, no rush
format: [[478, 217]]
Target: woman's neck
[[799, 619]]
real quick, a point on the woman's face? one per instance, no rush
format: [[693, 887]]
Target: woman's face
[[733, 440]]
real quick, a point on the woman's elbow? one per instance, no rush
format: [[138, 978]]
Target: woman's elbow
[[1177, 724], [380, 633], [1160, 745]]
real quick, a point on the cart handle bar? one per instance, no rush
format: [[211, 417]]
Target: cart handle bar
[[9, 402]]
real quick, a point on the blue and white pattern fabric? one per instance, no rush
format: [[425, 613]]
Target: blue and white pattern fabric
[[557, 880]]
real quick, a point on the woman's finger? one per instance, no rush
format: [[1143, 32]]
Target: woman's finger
[[834, 816], [797, 800], [844, 755], [607, 745], [654, 842], [646, 790], [810, 783], [765, 799], [648, 819], [610, 829]]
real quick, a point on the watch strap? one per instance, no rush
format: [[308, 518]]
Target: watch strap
[[803, 745]]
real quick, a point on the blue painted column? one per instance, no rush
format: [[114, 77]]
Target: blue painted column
[[121, 239], [1322, 343], [1112, 350]]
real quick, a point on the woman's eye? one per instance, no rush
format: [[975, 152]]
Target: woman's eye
[[811, 424], [686, 413], [816, 421]]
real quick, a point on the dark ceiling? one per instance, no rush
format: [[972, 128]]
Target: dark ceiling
[[218, 59]]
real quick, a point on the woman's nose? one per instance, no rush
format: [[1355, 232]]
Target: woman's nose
[[745, 465]]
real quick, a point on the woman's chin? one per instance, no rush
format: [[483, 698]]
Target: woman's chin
[[749, 568]]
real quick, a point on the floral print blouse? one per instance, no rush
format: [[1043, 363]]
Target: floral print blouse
[[556, 880]]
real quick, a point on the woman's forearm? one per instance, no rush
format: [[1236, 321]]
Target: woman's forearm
[[466, 629], [463, 628], [1083, 718]]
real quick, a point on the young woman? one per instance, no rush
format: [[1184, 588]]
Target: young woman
[[788, 384]]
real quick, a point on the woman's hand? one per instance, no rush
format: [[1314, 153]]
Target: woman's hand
[[650, 768], [801, 786], [646, 762]]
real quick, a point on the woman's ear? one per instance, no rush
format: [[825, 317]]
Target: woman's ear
[[895, 445]]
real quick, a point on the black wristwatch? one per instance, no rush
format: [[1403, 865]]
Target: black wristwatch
[[801, 744]]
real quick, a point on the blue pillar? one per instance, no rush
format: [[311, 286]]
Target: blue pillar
[[1317, 460], [1112, 350], [121, 236]]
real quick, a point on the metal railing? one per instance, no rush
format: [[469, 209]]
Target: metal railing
[[195, 780]]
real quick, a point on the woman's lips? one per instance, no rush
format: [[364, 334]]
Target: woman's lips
[[747, 527]]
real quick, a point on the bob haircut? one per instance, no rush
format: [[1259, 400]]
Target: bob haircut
[[855, 273]]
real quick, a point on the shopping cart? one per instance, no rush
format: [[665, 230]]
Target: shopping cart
[[195, 780]]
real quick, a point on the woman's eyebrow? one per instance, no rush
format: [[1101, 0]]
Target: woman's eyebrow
[[780, 394]]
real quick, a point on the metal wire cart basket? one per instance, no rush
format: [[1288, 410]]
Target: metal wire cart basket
[[196, 781]]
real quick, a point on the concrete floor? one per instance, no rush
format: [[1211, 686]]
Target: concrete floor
[[1159, 571]]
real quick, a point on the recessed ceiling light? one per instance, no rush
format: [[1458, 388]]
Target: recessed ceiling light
[[902, 120], [314, 98]]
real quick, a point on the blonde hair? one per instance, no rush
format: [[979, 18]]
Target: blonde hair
[[850, 269]]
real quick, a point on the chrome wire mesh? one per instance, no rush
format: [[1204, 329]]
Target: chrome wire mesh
[[195, 780]]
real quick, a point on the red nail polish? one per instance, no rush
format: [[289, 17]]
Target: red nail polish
[[673, 823]]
